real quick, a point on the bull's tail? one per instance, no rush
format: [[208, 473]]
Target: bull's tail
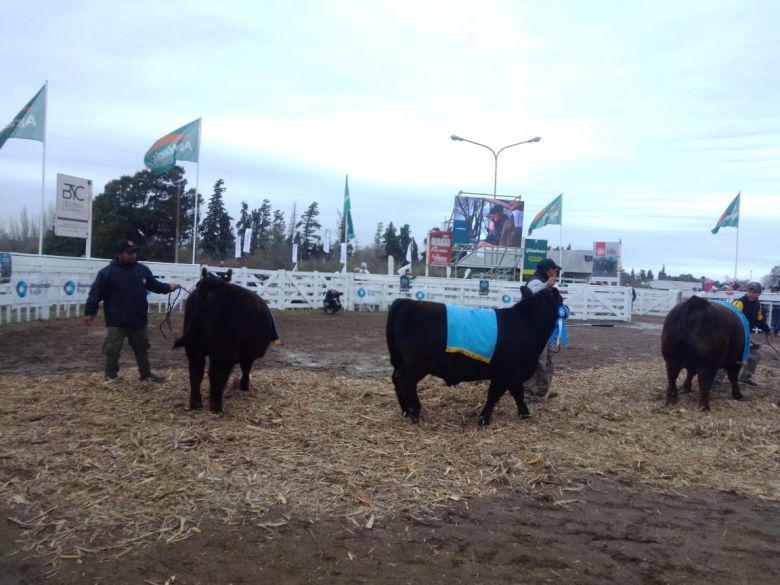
[[392, 315]]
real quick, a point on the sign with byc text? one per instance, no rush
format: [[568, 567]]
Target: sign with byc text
[[74, 202]]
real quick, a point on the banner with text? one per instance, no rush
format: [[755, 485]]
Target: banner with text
[[605, 259], [534, 252], [439, 248]]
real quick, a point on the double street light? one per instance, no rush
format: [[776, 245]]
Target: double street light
[[495, 154]]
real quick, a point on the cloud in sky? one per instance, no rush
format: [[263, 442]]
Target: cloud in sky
[[652, 117]]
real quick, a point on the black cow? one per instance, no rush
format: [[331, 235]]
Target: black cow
[[417, 338], [702, 337], [230, 325]]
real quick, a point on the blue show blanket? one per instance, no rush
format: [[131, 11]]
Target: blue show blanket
[[472, 332], [745, 327]]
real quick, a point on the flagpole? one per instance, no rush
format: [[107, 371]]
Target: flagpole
[[43, 164], [736, 254], [197, 178]]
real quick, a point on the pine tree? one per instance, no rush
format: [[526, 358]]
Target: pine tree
[[216, 232], [278, 228], [390, 242], [380, 228], [404, 238], [261, 225], [306, 234]]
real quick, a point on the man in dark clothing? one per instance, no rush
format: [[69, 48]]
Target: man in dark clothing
[[122, 287], [546, 276], [332, 301], [751, 308]]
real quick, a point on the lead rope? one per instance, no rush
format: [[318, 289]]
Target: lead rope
[[169, 310]]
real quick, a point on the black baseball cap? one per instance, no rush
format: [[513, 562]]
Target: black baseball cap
[[496, 209], [546, 264], [125, 246]]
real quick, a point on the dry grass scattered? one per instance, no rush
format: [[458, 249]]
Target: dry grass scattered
[[87, 468]]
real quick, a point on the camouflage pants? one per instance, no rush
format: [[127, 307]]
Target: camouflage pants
[[112, 348], [540, 382]]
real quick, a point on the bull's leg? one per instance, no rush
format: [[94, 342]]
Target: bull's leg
[[399, 392], [495, 392], [673, 368], [733, 375], [218, 377], [197, 367], [246, 366], [706, 377], [688, 384], [406, 390], [518, 393]]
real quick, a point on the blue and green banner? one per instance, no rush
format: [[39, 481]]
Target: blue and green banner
[[30, 123], [730, 217], [182, 144]]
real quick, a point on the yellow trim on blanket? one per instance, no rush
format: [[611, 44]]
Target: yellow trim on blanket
[[468, 353]]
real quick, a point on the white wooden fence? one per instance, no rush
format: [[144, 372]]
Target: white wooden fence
[[45, 286]]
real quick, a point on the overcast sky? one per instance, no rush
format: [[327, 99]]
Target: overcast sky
[[653, 115]]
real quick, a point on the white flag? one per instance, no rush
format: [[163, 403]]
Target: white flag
[[343, 258], [238, 247], [326, 242], [409, 252], [295, 254], [248, 240]]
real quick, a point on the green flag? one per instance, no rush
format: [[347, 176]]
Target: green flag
[[730, 217], [349, 230], [30, 122], [181, 144], [549, 215]]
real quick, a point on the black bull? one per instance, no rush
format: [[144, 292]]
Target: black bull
[[230, 325], [702, 337], [417, 338]]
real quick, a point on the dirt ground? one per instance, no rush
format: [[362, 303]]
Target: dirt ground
[[616, 530]]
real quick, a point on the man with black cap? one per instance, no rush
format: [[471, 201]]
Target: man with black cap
[[122, 287], [751, 308], [546, 276], [500, 227]]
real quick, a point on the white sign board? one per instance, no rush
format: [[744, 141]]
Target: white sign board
[[74, 201]]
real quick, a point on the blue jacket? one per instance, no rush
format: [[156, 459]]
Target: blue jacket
[[122, 288]]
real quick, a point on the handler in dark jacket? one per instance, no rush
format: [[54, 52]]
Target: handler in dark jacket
[[751, 308], [122, 287]]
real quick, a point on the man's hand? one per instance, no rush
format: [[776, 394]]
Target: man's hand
[[551, 281], [174, 286], [89, 319]]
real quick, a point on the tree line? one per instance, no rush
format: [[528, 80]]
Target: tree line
[[147, 208]]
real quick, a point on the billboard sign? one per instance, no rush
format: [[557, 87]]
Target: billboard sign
[[74, 201], [605, 259], [534, 252], [439, 248], [487, 221]]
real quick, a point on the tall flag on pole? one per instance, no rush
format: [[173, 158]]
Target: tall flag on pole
[[549, 215], [730, 217], [181, 144], [349, 230], [30, 123]]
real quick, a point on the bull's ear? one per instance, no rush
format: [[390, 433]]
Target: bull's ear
[[228, 275], [204, 273]]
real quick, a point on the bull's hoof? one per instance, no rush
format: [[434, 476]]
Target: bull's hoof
[[738, 396], [671, 401], [524, 415], [196, 405], [216, 412], [484, 422], [704, 407]]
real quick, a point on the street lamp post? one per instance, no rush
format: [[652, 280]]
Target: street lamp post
[[495, 154]]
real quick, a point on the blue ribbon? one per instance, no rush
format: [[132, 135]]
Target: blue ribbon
[[560, 326]]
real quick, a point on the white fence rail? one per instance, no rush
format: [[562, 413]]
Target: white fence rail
[[44, 286]]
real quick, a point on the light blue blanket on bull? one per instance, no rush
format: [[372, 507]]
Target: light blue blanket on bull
[[471, 332], [745, 327]]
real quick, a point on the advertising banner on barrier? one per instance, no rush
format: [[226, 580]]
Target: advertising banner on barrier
[[367, 295], [74, 200]]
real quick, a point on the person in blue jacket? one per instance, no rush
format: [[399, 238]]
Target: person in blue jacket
[[122, 286]]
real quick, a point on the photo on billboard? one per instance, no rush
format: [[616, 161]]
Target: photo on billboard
[[487, 221]]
